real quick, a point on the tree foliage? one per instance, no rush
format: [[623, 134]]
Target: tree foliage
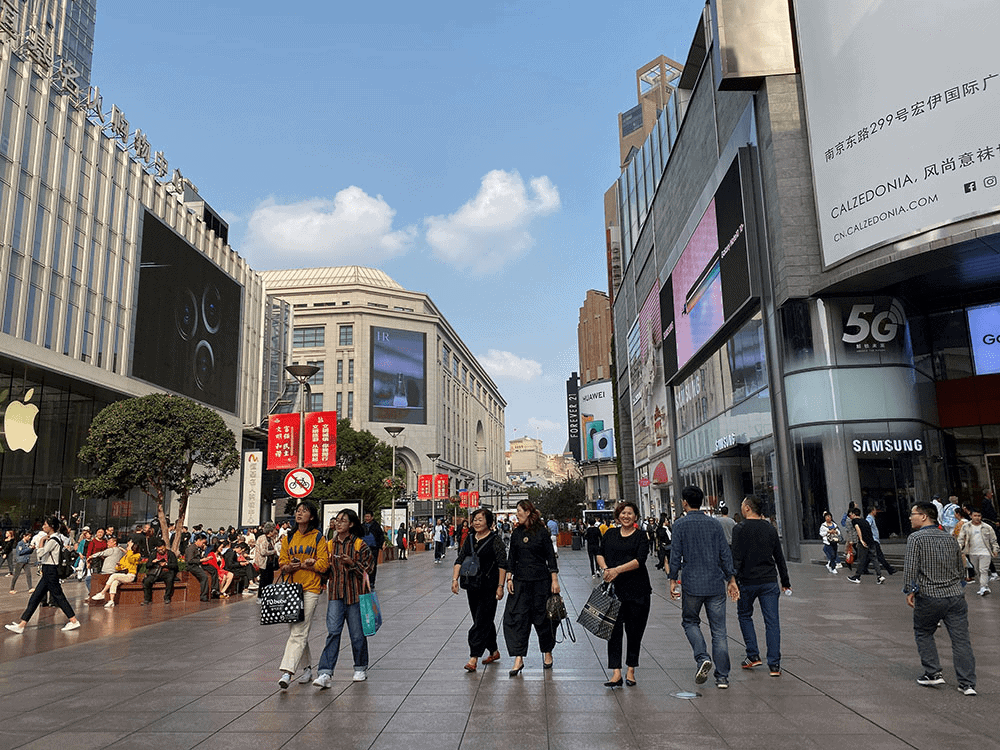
[[364, 465], [560, 501], [158, 444]]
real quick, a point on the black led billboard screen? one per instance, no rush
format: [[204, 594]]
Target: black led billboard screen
[[187, 320], [398, 376]]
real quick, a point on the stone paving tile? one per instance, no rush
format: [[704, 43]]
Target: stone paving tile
[[76, 740], [160, 741]]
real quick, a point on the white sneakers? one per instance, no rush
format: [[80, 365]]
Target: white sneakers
[[306, 677], [98, 596], [323, 681], [15, 627], [984, 591], [360, 675], [71, 626], [284, 681], [109, 605]]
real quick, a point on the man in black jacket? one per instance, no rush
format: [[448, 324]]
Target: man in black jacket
[[759, 563], [592, 536], [161, 566], [207, 578], [867, 541], [375, 539]]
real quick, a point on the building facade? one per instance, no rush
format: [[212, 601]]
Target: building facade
[[818, 287], [115, 277], [389, 358]]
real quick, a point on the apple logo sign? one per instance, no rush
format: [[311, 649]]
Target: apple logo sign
[[19, 424]]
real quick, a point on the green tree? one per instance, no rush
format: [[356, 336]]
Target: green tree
[[364, 465], [158, 444], [561, 501]]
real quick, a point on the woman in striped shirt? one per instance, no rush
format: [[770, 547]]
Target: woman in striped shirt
[[351, 562]]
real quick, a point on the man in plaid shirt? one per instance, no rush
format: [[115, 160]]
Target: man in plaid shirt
[[932, 576]]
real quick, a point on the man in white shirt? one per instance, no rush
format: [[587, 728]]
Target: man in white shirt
[[978, 543]]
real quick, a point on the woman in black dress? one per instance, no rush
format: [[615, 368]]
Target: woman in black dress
[[487, 588], [623, 561], [532, 575], [663, 537]]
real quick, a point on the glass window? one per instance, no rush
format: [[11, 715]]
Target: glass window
[[350, 371], [316, 379], [347, 336], [340, 405], [747, 359], [350, 406], [306, 337], [340, 371], [315, 402]]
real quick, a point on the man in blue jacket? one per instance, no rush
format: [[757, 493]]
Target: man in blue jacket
[[701, 574]]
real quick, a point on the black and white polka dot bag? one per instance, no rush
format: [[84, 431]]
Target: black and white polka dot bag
[[282, 602]]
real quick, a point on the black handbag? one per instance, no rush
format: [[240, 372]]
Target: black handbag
[[469, 573], [282, 602], [555, 610], [600, 613]]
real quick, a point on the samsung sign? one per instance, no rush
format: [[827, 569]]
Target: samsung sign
[[984, 331], [887, 445]]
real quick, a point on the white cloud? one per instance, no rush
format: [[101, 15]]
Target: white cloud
[[545, 425], [505, 365], [492, 228], [353, 228]]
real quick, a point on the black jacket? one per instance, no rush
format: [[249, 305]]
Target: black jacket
[[375, 529], [531, 556], [171, 563]]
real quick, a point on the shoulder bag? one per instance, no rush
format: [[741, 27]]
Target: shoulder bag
[[600, 613], [555, 610], [371, 613], [469, 574]]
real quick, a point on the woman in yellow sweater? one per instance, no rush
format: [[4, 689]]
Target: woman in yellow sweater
[[124, 573], [304, 558]]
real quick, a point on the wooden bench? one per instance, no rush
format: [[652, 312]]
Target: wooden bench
[[131, 594]]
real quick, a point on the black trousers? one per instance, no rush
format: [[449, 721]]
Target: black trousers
[[592, 554], [48, 584], [371, 576], [631, 625], [208, 579], [526, 607], [483, 633], [265, 577], [167, 576]]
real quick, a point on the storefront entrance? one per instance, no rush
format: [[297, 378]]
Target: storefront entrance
[[887, 484]]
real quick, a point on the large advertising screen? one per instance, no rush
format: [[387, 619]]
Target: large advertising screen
[[187, 320], [398, 376], [984, 332], [597, 421], [902, 101], [711, 280]]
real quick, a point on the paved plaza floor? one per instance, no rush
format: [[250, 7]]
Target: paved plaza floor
[[205, 675]]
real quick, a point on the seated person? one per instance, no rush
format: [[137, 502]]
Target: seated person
[[124, 573], [162, 566], [205, 574], [214, 559]]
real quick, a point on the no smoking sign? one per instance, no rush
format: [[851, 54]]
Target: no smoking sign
[[299, 482]]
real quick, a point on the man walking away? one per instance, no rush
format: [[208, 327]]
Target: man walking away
[[867, 542], [375, 539], [440, 541], [932, 582], [593, 538], [701, 566], [759, 563], [728, 524]]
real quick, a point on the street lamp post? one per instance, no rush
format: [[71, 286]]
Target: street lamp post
[[302, 373], [434, 459], [394, 432]]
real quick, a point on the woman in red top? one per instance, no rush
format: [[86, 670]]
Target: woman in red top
[[225, 577]]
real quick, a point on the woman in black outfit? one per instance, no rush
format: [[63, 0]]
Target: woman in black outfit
[[483, 595], [663, 536], [623, 560], [532, 575]]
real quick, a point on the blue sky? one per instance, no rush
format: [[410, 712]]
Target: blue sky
[[463, 148]]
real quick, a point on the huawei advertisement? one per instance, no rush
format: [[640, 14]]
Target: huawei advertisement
[[597, 421], [187, 320], [398, 376], [711, 280]]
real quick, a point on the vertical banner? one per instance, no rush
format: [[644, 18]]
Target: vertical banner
[[473, 499], [573, 415], [442, 486], [321, 439], [283, 441], [425, 485], [252, 464], [463, 498]]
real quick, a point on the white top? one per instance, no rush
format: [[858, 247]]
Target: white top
[[976, 544]]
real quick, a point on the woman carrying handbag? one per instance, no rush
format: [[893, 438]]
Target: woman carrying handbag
[[351, 562], [623, 561], [485, 547], [532, 574], [304, 558]]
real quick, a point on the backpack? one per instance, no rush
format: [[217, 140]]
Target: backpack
[[67, 560]]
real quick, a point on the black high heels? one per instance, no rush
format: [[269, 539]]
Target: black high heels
[[630, 683], [516, 672], [613, 683], [548, 664]]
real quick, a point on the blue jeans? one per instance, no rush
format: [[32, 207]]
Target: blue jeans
[[715, 610], [768, 594], [927, 613], [336, 613]]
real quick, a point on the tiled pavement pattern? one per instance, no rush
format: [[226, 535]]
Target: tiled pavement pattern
[[205, 675]]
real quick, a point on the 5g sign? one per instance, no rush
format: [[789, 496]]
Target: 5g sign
[[871, 326]]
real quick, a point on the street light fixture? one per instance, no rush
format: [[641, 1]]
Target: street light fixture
[[394, 431], [434, 459], [302, 373]]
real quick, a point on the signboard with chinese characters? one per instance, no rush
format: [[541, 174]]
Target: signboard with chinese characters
[[463, 498], [898, 146], [425, 483], [473, 499], [441, 486], [283, 441], [253, 464], [320, 439]]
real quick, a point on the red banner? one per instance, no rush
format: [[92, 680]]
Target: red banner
[[425, 485], [283, 441], [463, 498], [473, 499], [321, 439], [442, 484]]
